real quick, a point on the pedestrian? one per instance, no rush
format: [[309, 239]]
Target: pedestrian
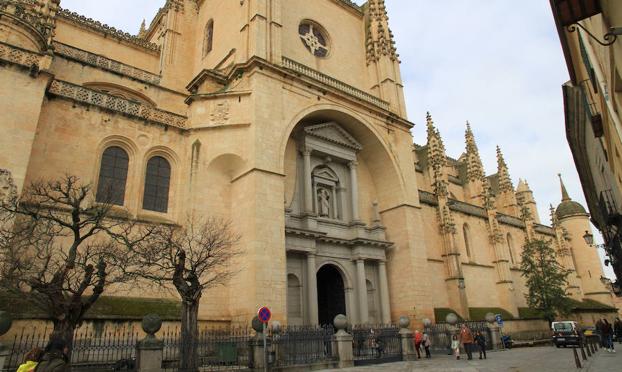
[[466, 338], [480, 340], [426, 344], [599, 331], [455, 346], [31, 360], [418, 339], [54, 358], [617, 327], [608, 336]]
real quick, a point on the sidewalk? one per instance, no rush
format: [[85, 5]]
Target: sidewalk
[[534, 359]]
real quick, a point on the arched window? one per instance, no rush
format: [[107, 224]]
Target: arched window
[[157, 184], [467, 240], [511, 248], [208, 38], [112, 176]]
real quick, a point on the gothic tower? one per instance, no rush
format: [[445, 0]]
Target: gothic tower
[[575, 222]]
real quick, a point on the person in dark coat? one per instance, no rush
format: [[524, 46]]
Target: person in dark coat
[[607, 332], [480, 340], [599, 331], [55, 357], [617, 327]]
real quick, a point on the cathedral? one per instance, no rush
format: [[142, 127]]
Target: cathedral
[[286, 117]]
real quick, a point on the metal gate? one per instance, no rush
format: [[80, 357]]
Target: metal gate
[[375, 345]]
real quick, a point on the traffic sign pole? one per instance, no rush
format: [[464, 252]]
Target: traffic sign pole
[[264, 314]]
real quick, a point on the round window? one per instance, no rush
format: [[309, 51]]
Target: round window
[[314, 38]]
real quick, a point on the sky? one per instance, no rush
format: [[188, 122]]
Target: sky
[[496, 63]]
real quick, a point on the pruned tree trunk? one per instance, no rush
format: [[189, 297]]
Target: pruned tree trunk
[[189, 357], [65, 329]]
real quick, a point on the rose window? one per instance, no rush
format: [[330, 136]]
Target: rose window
[[314, 38]]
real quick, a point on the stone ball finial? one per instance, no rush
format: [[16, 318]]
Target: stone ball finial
[[490, 317], [257, 324], [6, 321], [340, 322], [451, 318], [276, 327], [427, 322], [151, 324], [404, 322]]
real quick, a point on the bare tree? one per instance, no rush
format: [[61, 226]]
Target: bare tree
[[191, 258], [55, 249]]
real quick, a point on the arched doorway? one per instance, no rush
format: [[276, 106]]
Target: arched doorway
[[331, 298]]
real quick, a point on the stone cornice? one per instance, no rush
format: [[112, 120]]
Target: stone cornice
[[21, 57], [350, 5], [97, 26], [476, 211], [108, 102], [333, 83], [104, 63], [390, 119]]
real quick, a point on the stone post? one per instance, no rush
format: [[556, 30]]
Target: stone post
[[5, 325], [257, 348], [406, 338], [343, 340], [495, 332], [149, 350]]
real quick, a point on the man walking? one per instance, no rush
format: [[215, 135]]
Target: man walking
[[617, 327], [467, 340]]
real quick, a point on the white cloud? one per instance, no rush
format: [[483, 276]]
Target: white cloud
[[497, 64]]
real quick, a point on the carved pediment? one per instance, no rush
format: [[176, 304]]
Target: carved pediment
[[333, 133]]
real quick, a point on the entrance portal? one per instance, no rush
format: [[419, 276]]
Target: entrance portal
[[331, 297]]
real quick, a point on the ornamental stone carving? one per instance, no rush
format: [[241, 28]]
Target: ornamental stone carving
[[7, 185]]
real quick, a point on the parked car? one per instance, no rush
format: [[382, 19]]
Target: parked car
[[566, 333]]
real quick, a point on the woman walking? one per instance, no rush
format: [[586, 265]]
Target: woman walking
[[425, 341], [480, 340], [455, 346]]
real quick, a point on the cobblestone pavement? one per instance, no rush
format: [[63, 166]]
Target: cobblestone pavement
[[534, 359]]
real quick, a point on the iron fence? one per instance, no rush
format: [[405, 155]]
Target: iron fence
[[379, 344], [218, 350], [292, 346], [92, 351], [440, 335]]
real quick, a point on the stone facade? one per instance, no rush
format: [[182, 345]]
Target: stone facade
[[288, 118]]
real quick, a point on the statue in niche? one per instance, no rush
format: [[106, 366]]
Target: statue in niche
[[323, 198]]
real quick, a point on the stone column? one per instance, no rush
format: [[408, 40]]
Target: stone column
[[362, 291], [343, 340], [354, 190], [384, 293], [406, 338], [149, 350], [312, 290], [308, 187]]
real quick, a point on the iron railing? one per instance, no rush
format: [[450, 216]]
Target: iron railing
[[440, 335], [218, 350], [292, 346], [92, 351], [376, 344]]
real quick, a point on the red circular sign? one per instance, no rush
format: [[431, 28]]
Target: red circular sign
[[264, 314]]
